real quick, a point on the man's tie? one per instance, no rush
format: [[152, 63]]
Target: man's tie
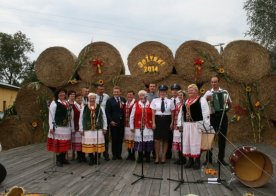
[[101, 100], [174, 102], [162, 106]]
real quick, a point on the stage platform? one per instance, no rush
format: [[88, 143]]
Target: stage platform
[[26, 166]]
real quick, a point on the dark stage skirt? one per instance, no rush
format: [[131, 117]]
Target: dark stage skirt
[[162, 130]]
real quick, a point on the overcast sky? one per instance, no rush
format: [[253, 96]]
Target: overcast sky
[[123, 23]]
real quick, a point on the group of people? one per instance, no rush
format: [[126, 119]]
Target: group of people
[[151, 125]]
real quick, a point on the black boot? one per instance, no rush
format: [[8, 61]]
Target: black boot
[[140, 157], [197, 164], [59, 161], [83, 158], [147, 157], [64, 160], [209, 158], [97, 159], [79, 156], [91, 159], [190, 163], [129, 154], [133, 155], [181, 159]]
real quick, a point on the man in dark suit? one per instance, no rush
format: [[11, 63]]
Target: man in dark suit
[[115, 118]]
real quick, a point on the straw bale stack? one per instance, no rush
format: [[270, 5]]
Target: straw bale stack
[[27, 102], [151, 61], [99, 61], [246, 61], [189, 51], [55, 66]]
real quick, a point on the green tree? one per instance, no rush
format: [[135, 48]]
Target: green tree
[[29, 74], [261, 18], [14, 62]]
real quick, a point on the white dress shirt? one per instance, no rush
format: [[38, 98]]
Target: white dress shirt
[[156, 105], [105, 97]]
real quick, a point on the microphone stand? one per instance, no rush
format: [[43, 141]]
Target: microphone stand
[[219, 180], [53, 168], [142, 176], [97, 170]]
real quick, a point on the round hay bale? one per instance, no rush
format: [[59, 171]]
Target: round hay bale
[[99, 61], [55, 66], [242, 55], [189, 51], [267, 95], [28, 101], [77, 87], [151, 61], [14, 132], [127, 83]]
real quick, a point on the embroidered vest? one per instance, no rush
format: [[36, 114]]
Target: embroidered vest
[[138, 116], [62, 114], [127, 112], [194, 110], [92, 120]]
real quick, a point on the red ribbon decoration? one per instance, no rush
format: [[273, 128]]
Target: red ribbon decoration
[[97, 63], [198, 62]]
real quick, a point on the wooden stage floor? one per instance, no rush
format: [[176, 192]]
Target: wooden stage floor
[[26, 166]]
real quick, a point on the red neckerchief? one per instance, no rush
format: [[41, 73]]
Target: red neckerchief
[[191, 101]]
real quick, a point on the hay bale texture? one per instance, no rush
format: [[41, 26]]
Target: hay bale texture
[[27, 102], [127, 83], [55, 66], [105, 53], [191, 50], [151, 61], [246, 61]]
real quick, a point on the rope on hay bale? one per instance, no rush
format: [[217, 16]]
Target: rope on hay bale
[[186, 55], [100, 61], [246, 61], [55, 66], [28, 100], [151, 61]]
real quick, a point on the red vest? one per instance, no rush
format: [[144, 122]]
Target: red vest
[[127, 110], [138, 116]]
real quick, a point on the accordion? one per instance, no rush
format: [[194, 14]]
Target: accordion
[[219, 99]]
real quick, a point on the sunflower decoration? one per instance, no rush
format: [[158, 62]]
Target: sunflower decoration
[[248, 89], [202, 90], [258, 104], [74, 81], [100, 82], [221, 70], [34, 124]]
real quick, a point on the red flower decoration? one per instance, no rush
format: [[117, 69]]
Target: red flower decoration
[[97, 63], [198, 62]]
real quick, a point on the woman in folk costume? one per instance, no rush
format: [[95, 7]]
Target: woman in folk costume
[[92, 125], [76, 135], [129, 135], [194, 113], [141, 117], [61, 123], [176, 133]]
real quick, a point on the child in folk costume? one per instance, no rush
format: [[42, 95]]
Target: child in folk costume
[[193, 115], [142, 109], [61, 123], [176, 133], [76, 135], [92, 125], [129, 135]]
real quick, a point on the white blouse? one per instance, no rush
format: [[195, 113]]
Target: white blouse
[[156, 105]]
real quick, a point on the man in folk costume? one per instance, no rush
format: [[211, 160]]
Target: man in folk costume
[[76, 135], [93, 124], [85, 92], [61, 123], [101, 99], [115, 117], [141, 117], [176, 132], [129, 135], [174, 98], [191, 119], [215, 119]]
